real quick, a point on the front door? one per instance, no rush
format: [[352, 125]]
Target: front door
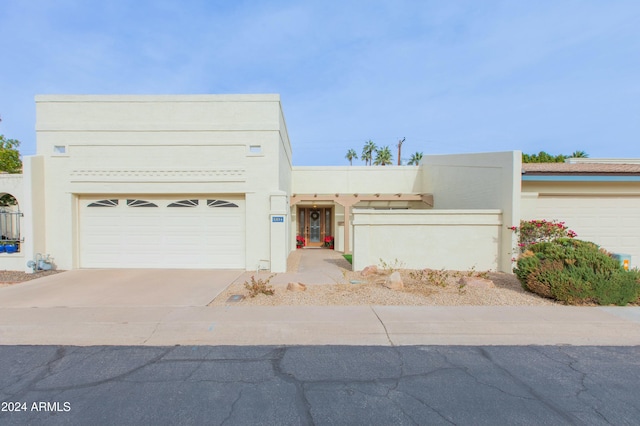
[[315, 232], [314, 225]]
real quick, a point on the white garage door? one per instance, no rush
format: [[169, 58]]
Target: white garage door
[[611, 222], [153, 232]]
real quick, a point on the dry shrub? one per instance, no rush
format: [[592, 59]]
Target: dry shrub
[[259, 286]]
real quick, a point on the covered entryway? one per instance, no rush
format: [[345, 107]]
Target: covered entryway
[[149, 231], [328, 222], [314, 223]]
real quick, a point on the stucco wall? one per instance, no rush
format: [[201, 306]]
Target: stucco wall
[[607, 213], [357, 180], [192, 144], [12, 184], [478, 181], [435, 239]]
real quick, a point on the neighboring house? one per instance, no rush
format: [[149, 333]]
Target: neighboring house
[[11, 220], [597, 198], [207, 181]]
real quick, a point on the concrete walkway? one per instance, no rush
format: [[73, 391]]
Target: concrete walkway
[[308, 266], [312, 325], [169, 309]]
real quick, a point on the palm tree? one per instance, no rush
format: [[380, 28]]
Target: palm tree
[[415, 159], [367, 152], [579, 154], [351, 155], [383, 156]]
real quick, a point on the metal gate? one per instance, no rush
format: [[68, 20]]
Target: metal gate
[[10, 230]]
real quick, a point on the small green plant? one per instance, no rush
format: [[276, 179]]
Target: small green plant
[[436, 277], [483, 274], [418, 275], [472, 273], [392, 266], [259, 286], [442, 277]]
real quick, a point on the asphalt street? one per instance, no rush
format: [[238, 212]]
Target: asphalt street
[[322, 385]]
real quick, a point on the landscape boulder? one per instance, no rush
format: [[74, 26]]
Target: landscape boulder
[[476, 282], [296, 287], [394, 281], [369, 270]]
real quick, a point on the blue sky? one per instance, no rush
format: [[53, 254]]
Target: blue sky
[[449, 76]]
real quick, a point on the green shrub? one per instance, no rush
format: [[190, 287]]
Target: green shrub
[[527, 263], [576, 272]]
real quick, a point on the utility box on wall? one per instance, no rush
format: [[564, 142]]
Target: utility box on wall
[[624, 259]]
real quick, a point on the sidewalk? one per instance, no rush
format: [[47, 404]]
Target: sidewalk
[[305, 325], [184, 319]]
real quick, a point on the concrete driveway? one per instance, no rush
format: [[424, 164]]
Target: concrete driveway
[[120, 288]]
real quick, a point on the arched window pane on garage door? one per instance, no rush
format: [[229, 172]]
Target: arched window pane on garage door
[[104, 203], [184, 203], [220, 203], [140, 203]]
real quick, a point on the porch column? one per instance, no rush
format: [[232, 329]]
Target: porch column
[[347, 204], [279, 231], [347, 229]]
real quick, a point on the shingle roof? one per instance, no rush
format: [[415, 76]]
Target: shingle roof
[[582, 168]]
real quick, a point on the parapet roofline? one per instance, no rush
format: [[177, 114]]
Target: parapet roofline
[[160, 98], [586, 169]]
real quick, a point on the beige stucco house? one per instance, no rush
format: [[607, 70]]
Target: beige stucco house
[[597, 198], [207, 181]]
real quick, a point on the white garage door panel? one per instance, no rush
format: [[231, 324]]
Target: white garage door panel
[[612, 222], [162, 237]]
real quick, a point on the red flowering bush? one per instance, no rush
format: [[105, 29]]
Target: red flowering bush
[[537, 231], [300, 242], [328, 241]]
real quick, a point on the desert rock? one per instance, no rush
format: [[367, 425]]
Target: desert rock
[[369, 270], [394, 281], [476, 282], [296, 287]]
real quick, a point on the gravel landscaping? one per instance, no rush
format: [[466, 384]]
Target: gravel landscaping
[[420, 288], [14, 277]]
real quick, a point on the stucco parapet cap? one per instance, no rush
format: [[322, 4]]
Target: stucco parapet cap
[[433, 212], [351, 194], [354, 168], [363, 197], [463, 154], [160, 98], [427, 217]]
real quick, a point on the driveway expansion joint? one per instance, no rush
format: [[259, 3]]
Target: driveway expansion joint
[[386, 332]]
